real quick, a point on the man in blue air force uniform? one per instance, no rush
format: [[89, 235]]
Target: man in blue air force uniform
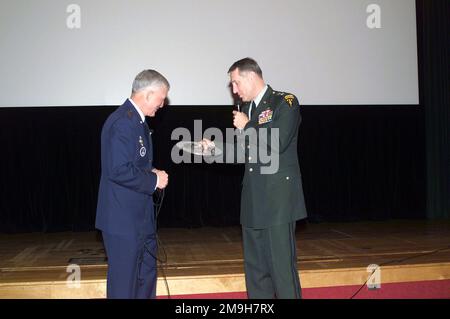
[[125, 212]]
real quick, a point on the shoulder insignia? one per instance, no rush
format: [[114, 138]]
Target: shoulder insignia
[[289, 99], [130, 114]]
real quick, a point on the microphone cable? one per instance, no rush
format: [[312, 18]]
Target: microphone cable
[[397, 260], [160, 247]]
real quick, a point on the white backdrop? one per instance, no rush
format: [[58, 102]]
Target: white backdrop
[[321, 50]]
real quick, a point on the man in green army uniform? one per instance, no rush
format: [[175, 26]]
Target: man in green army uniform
[[272, 199]]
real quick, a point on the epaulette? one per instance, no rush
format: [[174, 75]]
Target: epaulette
[[279, 93], [289, 98]]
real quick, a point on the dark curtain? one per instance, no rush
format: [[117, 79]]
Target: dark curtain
[[49, 168], [358, 163], [363, 163], [434, 50]]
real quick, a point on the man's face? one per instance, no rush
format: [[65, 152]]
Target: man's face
[[242, 85], [155, 100]]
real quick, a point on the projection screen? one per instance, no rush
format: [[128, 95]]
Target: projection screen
[[327, 52]]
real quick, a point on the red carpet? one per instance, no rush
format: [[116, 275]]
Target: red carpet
[[438, 289]]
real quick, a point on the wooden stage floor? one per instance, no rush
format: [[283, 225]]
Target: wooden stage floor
[[209, 260]]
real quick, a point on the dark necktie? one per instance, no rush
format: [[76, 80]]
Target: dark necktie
[[148, 131], [252, 107]]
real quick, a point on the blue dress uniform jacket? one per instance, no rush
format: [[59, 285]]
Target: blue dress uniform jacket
[[125, 204], [125, 212]]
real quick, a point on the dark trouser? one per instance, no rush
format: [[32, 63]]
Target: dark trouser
[[270, 261], [131, 266]]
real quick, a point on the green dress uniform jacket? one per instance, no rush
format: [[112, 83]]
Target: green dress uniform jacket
[[272, 195]]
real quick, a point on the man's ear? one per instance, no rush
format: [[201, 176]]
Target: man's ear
[[251, 75], [149, 94]]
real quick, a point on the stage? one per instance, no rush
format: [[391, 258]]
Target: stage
[[333, 260]]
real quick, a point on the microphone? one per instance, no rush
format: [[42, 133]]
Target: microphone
[[238, 105]]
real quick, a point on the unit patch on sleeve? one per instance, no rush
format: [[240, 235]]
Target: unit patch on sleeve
[[289, 99]]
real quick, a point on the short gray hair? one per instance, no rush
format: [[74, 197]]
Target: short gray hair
[[149, 78]]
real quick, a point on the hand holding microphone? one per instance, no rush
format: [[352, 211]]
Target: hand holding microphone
[[240, 119]]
